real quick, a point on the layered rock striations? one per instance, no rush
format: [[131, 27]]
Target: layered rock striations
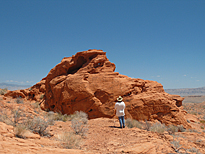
[[87, 82]]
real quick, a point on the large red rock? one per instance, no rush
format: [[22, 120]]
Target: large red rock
[[87, 82]]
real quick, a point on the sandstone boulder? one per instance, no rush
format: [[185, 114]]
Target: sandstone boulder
[[88, 82]]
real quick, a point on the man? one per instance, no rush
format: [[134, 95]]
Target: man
[[119, 107]]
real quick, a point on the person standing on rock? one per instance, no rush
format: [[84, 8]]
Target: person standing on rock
[[119, 107]]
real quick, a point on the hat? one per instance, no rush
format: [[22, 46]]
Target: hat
[[119, 99]]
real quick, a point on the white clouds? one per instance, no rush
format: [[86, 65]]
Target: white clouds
[[19, 82], [29, 81], [158, 76], [184, 74]]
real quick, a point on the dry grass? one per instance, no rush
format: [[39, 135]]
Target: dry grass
[[133, 123], [69, 140], [79, 123], [20, 120], [20, 130], [19, 101], [38, 125], [158, 128], [58, 116], [172, 129]]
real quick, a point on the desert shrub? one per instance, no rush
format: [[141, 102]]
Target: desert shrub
[[69, 140], [158, 127], [193, 130], [58, 116], [133, 123], [147, 125], [175, 145], [172, 129], [194, 150], [11, 119], [3, 91], [194, 113], [19, 100], [82, 115], [181, 128], [5, 118], [38, 125], [16, 116], [202, 121], [20, 130], [79, 123], [35, 105], [20, 121]]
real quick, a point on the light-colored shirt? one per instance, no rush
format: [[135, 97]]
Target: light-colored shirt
[[119, 107]]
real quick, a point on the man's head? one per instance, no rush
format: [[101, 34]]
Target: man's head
[[119, 99]]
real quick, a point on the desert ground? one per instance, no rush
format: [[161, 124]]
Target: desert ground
[[57, 133]]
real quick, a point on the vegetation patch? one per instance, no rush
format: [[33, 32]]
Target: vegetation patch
[[79, 123], [69, 140], [3, 91], [20, 130], [133, 123]]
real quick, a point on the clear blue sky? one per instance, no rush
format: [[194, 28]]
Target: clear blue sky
[[160, 40]]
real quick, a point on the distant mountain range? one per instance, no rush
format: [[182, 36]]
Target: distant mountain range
[[187, 91], [13, 86]]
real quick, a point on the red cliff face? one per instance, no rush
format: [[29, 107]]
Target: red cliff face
[[87, 82]]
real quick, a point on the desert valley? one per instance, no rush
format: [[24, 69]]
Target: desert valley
[[71, 111]]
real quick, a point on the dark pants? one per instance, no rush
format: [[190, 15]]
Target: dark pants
[[122, 121]]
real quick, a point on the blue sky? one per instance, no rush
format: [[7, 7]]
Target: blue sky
[[159, 40]]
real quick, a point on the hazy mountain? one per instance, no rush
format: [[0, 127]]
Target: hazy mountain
[[187, 91], [13, 86]]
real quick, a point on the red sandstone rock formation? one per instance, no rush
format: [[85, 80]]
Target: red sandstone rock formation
[[35, 92], [87, 82]]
